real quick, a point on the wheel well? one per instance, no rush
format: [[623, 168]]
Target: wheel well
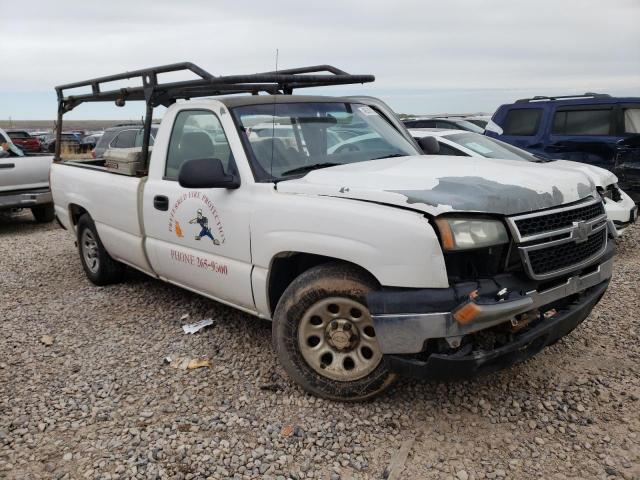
[[286, 266], [76, 212]]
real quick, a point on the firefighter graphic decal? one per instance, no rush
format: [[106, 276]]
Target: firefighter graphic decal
[[206, 223], [205, 230]]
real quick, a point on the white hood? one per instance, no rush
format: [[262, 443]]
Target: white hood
[[438, 184], [600, 176]]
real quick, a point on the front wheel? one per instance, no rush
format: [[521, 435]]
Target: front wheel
[[100, 268], [324, 336]]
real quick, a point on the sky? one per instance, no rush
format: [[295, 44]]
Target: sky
[[453, 56]]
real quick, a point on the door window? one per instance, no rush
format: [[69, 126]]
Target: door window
[[582, 122], [125, 139], [522, 121], [196, 134], [632, 120]]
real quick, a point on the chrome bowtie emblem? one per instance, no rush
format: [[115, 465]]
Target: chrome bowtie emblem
[[581, 231]]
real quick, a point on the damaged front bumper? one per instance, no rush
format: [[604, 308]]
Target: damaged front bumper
[[517, 309]]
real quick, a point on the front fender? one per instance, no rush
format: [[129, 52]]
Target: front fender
[[397, 246]]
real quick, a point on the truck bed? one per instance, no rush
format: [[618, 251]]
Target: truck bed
[[110, 198]]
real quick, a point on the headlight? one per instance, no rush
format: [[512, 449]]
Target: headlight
[[464, 233]]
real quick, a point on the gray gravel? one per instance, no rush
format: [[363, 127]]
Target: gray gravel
[[100, 402]]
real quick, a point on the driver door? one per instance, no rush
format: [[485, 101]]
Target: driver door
[[199, 238]]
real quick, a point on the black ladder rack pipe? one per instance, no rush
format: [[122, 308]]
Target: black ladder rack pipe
[[207, 85]]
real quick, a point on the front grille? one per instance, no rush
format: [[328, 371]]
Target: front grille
[[560, 257], [557, 241], [554, 221]]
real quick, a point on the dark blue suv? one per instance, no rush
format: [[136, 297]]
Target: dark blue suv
[[592, 128]]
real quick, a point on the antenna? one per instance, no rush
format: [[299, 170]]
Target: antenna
[[273, 120]]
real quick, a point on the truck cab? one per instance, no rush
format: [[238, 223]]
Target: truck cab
[[370, 260]]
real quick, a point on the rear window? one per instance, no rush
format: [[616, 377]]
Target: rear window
[[125, 139], [522, 121], [19, 135], [582, 122]]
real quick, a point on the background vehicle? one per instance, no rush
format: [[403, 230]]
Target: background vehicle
[[41, 135], [370, 260], [88, 142], [443, 122], [621, 209], [596, 129], [70, 143], [121, 136], [24, 183], [24, 140]]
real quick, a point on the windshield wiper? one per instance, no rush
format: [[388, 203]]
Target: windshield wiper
[[393, 155], [308, 168]]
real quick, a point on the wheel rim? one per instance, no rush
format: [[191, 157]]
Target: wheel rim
[[89, 247], [337, 339]]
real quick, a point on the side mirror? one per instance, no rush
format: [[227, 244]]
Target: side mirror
[[429, 145], [206, 173]]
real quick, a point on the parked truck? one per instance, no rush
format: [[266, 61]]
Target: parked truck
[[24, 181], [371, 260]]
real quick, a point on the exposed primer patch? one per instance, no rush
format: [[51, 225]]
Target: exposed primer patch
[[482, 195], [586, 190]]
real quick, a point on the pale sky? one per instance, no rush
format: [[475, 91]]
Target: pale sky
[[428, 56]]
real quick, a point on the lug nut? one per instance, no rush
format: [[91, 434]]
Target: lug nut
[[347, 326], [334, 325]]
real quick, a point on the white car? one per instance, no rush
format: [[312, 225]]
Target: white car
[[24, 181], [621, 209], [370, 261]]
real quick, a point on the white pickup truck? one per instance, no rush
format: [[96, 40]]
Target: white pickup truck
[[24, 181], [371, 259]]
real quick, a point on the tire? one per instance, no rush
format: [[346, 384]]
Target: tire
[[44, 213], [98, 265], [322, 301]]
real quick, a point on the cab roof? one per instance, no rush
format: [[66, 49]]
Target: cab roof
[[242, 100]]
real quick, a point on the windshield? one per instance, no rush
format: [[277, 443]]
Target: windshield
[[489, 147], [479, 122], [287, 140], [467, 125]]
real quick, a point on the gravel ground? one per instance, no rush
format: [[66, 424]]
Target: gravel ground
[[100, 403]]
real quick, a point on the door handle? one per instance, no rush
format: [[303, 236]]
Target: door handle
[[160, 202], [7, 165]]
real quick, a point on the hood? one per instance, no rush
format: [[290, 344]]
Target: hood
[[437, 184], [600, 176]]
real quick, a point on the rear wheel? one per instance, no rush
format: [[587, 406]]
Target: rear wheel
[[98, 265], [324, 334], [43, 213]]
